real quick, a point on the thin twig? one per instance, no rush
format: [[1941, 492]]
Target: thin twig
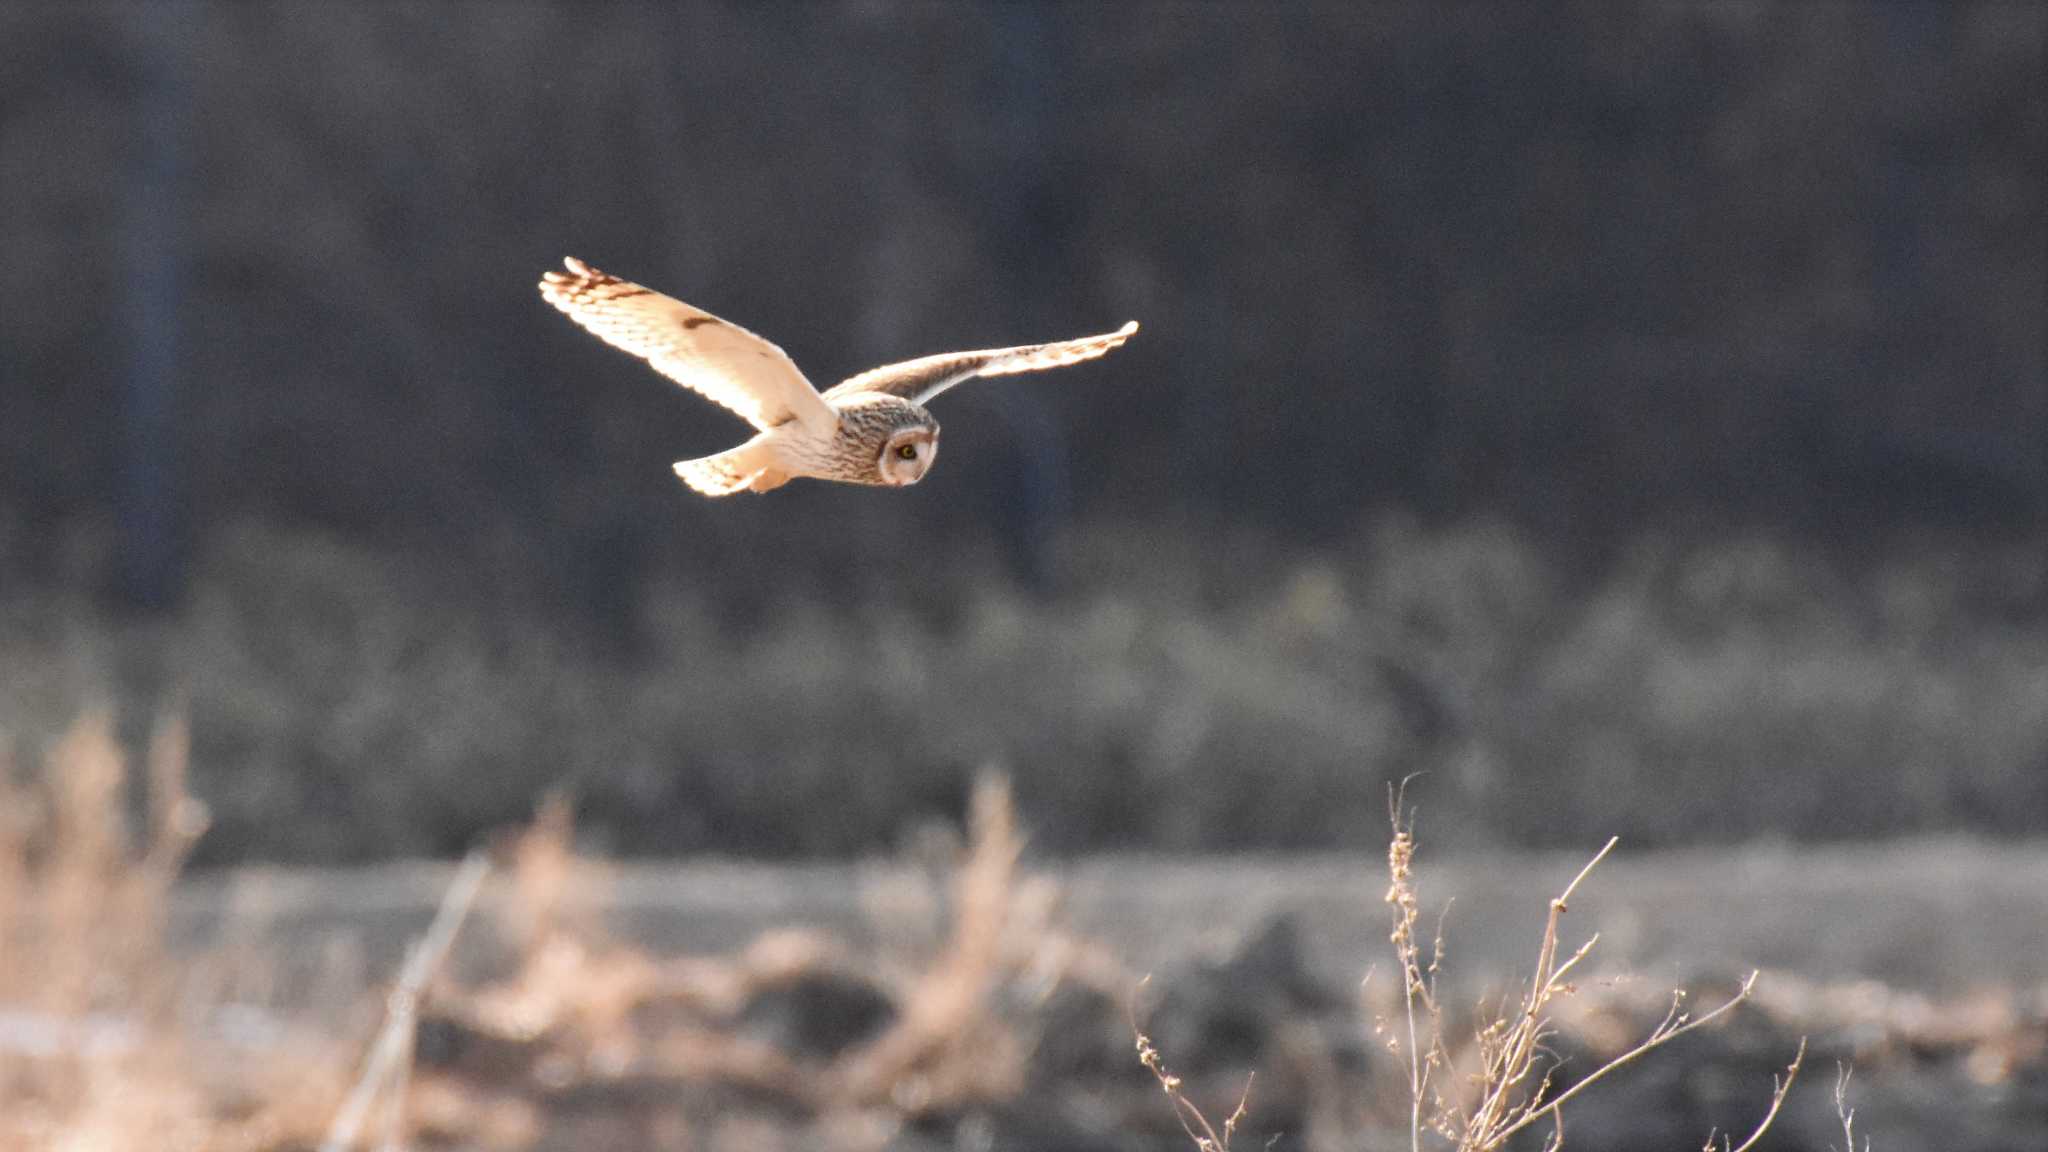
[[1662, 1035], [1491, 1123], [1847, 1114], [1244, 1102], [394, 1127], [394, 1042], [1565, 896], [1779, 1087], [1401, 894], [1516, 1065], [1192, 1121]]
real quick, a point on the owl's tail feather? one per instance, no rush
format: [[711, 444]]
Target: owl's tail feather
[[736, 470]]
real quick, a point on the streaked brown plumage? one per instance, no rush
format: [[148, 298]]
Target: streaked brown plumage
[[869, 429]]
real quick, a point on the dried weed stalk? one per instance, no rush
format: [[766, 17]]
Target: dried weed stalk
[[546, 881], [1206, 1136], [100, 1046], [946, 1044], [1846, 1114], [1423, 1012], [1780, 1085], [97, 898], [17, 820], [1513, 1079], [388, 1068], [1513, 1083]]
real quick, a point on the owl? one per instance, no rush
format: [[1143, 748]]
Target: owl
[[868, 429]]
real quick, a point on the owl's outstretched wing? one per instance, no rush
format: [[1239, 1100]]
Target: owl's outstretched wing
[[721, 361], [919, 380]]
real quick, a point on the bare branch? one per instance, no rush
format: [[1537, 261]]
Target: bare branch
[[1843, 1072], [1779, 1087], [1658, 1038], [1192, 1121], [1564, 897]]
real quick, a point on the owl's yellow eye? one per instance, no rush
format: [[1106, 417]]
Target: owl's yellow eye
[[907, 452]]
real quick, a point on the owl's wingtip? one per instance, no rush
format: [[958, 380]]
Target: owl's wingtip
[[552, 281]]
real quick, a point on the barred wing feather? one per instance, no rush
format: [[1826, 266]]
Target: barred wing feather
[[718, 360], [919, 380]]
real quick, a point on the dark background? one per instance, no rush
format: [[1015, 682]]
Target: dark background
[[1629, 416]]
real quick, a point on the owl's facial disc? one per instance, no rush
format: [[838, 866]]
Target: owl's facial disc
[[907, 455]]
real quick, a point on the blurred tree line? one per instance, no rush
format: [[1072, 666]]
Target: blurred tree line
[[1595, 268], [1592, 270]]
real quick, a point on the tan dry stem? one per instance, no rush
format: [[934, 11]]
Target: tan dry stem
[[946, 1009], [1514, 1079], [1205, 1135]]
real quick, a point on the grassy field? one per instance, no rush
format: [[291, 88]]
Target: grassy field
[[971, 992]]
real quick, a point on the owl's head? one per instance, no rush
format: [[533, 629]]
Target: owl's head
[[908, 454]]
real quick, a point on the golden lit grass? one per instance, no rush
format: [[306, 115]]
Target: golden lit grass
[[100, 1051], [110, 1039], [582, 1009], [947, 1045]]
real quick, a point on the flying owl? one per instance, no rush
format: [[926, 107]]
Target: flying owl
[[868, 429]]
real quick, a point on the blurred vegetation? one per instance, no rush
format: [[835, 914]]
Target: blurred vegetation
[[957, 995], [348, 704], [1585, 406]]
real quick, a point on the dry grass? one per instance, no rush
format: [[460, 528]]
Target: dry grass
[[107, 1039], [664, 1045], [1511, 1087], [111, 1039], [947, 1046], [1207, 1137], [100, 1047], [1847, 1114], [1475, 1096]]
